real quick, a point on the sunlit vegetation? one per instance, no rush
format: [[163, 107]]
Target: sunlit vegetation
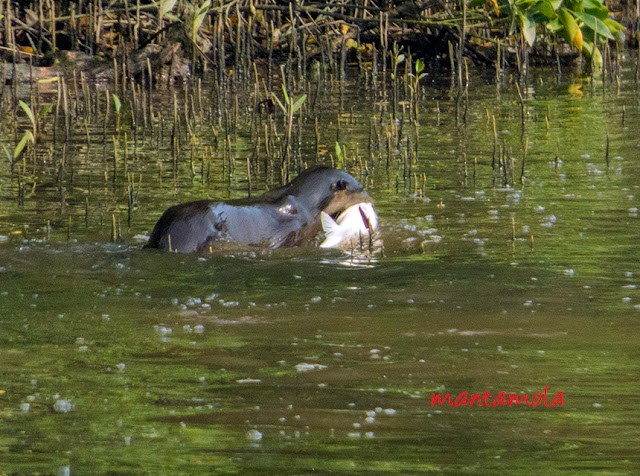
[[212, 31]]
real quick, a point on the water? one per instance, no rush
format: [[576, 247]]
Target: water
[[119, 360]]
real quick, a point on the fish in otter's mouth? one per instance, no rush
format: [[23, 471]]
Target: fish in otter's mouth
[[355, 227]]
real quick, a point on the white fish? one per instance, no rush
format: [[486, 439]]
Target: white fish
[[353, 227]]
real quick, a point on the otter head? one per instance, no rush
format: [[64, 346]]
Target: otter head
[[323, 189]]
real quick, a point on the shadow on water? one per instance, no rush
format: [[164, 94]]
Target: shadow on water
[[116, 359]]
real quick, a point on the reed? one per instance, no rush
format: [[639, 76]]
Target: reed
[[114, 228], [494, 153], [525, 148], [133, 192], [218, 120]]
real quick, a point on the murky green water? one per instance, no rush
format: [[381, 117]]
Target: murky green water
[[117, 360]]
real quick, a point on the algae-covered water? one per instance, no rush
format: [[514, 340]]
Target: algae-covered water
[[118, 360]]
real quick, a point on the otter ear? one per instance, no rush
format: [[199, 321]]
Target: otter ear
[[339, 185]]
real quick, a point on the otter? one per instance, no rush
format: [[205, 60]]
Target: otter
[[283, 217]]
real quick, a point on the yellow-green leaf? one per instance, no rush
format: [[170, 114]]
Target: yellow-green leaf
[[596, 60], [117, 103], [166, 6], [299, 102], [571, 31], [7, 153], [27, 137], [172, 17], [595, 24], [284, 110], [338, 150], [286, 95], [528, 28], [48, 80], [25, 107], [44, 110]]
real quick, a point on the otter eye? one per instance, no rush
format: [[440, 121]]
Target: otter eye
[[340, 185]]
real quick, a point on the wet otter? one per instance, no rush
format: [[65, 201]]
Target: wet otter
[[287, 216]]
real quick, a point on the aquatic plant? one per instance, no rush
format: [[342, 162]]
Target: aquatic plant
[[304, 31], [414, 84], [117, 104], [26, 138], [582, 23], [340, 155], [165, 7], [29, 137], [397, 58], [289, 108], [197, 15]]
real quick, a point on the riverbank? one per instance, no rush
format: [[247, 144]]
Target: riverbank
[[214, 35]]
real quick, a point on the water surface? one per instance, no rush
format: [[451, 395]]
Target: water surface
[[119, 360]]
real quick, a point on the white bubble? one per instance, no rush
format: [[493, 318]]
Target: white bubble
[[254, 435], [62, 406]]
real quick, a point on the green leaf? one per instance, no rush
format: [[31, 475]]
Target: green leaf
[[528, 27], [595, 24], [573, 5], [616, 28], [419, 67], [593, 54], [338, 150], [286, 95], [6, 149], [556, 4], [27, 137], [613, 25], [554, 26], [299, 102], [596, 8], [166, 6], [399, 59], [25, 107], [284, 109], [44, 110], [204, 8], [545, 9], [117, 104], [596, 60], [570, 29], [199, 17], [172, 17], [587, 48]]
